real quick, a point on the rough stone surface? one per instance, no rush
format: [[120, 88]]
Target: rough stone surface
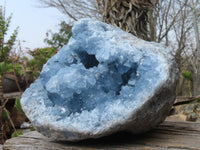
[[191, 111], [9, 84], [177, 117], [104, 80]]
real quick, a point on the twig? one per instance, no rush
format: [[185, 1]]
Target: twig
[[1, 121], [61, 4], [11, 122], [16, 80], [185, 100]]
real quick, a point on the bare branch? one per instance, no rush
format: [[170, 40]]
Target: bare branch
[[75, 9]]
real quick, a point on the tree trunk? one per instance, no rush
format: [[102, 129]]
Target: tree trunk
[[196, 29], [152, 25], [1, 90], [1, 109], [130, 15]]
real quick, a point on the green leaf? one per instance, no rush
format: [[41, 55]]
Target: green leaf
[[5, 67], [18, 106], [5, 115], [187, 74], [16, 134], [32, 129], [6, 46], [25, 58], [198, 100]]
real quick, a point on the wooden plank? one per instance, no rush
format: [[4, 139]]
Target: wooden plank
[[169, 135], [12, 95]]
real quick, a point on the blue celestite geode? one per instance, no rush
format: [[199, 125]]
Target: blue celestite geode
[[104, 80]]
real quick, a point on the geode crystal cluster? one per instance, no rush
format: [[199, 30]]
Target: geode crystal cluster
[[104, 80]]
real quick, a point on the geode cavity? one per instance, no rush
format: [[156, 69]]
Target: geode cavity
[[104, 80]]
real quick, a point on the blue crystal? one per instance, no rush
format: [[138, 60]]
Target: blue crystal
[[98, 82]]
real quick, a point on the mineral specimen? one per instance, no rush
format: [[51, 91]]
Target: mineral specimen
[[104, 80]]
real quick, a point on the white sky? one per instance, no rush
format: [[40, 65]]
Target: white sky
[[33, 21]]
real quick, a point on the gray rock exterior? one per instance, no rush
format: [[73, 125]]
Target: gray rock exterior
[[103, 81], [9, 85]]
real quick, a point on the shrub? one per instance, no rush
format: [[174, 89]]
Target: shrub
[[40, 57]]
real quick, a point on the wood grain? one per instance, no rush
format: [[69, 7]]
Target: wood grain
[[12, 95], [168, 135]]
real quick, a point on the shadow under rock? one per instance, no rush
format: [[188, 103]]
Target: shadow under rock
[[118, 139]]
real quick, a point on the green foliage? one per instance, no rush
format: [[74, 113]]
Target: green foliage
[[42, 54], [5, 67], [6, 46], [16, 134], [4, 23], [18, 105], [32, 129], [18, 68], [5, 115], [40, 57], [188, 75], [61, 38], [198, 100]]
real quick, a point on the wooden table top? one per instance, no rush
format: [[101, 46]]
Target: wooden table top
[[168, 135]]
